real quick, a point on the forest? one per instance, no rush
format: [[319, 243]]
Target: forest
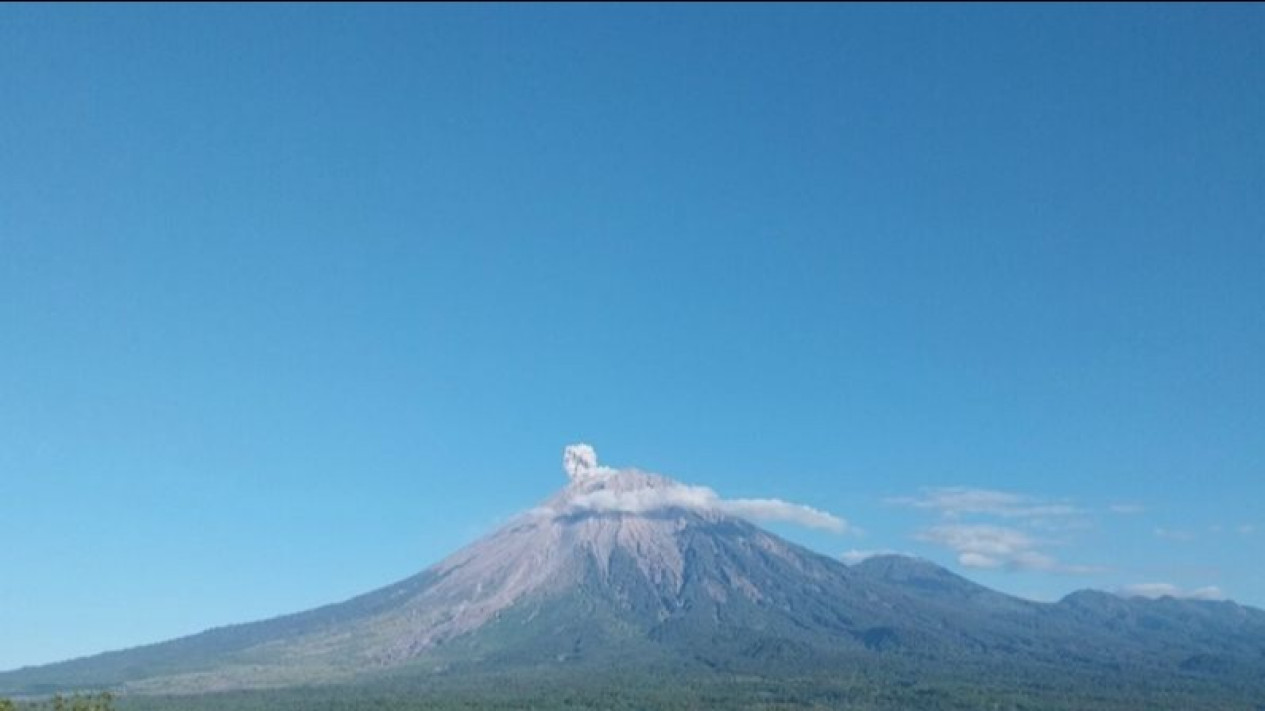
[[849, 691]]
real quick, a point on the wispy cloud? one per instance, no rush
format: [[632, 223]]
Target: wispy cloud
[[1126, 508], [993, 529], [1158, 590], [957, 501], [779, 510], [1246, 529], [854, 556], [987, 546]]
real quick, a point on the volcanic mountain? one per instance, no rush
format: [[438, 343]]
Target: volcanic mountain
[[630, 568]]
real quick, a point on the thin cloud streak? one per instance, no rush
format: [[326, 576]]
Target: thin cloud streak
[[854, 556], [1156, 591], [958, 501]]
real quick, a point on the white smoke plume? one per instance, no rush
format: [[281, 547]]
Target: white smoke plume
[[579, 461], [580, 464]]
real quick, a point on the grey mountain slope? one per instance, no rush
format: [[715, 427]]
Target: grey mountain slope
[[679, 587]]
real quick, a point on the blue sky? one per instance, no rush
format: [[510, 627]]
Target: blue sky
[[296, 300]]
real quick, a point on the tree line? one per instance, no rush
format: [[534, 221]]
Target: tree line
[[103, 701]]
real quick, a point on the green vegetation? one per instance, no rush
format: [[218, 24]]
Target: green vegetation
[[548, 689], [845, 690], [103, 701], [890, 634]]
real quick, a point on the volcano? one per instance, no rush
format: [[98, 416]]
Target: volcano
[[633, 569]]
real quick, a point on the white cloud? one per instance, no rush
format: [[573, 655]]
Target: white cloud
[[958, 501], [978, 560], [994, 530], [1246, 529], [1127, 508], [779, 510], [854, 556], [646, 499], [980, 539], [580, 463], [987, 546], [1158, 590]]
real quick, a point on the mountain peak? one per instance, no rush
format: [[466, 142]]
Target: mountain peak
[[597, 489]]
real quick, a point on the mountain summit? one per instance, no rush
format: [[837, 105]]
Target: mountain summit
[[635, 568]]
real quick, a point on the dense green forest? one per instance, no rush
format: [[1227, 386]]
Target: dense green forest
[[101, 701], [857, 691]]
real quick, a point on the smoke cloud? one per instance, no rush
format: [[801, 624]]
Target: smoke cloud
[[657, 493], [579, 461]]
